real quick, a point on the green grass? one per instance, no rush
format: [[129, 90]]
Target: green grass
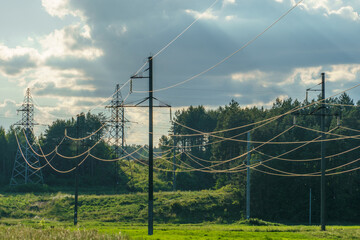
[[101, 230], [179, 207], [180, 215]]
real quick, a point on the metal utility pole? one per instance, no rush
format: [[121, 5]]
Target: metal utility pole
[[151, 133], [310, 207], [248, 177], [174, 162], [323, 162], [22, 173], [76, 173], [151, 150], [322, 150]]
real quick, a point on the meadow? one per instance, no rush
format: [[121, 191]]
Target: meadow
[[181, 215], [43, 229]]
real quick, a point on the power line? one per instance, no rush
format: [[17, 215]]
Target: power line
[[228, 57], [187, 28]]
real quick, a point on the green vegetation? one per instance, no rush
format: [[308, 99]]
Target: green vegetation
[[179, 215], [25, 232], [96, 230], [179, 207], [213, 196]]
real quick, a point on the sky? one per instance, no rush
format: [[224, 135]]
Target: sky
[[72, 53]]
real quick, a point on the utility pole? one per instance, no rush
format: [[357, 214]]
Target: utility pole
[[151, 150], [323, 162], [174, 162], [248, 177], [77, 171], [151, 142], [310, 207]]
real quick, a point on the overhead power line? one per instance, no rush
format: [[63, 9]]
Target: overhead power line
[[228, 57], [187, 28]]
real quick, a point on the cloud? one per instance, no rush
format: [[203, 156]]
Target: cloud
[[306, 76], [7, 108], [60, 8], [331, 7], [344, 73], [49, 81], [14, 61], [248, 76], [72, 41], [346, 12], [230, 17], [208, 15], [229, 2], [334, 73]]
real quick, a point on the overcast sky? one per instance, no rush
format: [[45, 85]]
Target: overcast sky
[[72, 53]]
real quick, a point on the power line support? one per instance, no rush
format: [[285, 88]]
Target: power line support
[[248, 177], [151, 150], [323, 162], [310, 207], [117, 129], [22, 173], [174, 162], [151, 134], [77, 173]]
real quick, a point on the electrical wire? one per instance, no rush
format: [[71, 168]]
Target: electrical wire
[[117, 159], [310, 159], [32, 149], [283, 114], [228, 57], [81, 154], [86, 137], [350, 129], [187, 28], [342, 105]]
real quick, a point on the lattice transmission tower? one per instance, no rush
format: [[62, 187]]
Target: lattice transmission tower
[[22, 172], [117, 123]]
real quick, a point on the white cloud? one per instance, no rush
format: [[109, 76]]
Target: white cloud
[[71, 41], [346, 12], [330, 7], [230, 17], [7, 109], [334, 73], [15, 61], [64, 79], [229, 2], [209, 15], [306, 76], [60, 8], [343, 72], [248, 76]]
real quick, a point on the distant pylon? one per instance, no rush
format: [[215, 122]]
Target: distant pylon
[[117, 128], [22, 172], [117, 123]]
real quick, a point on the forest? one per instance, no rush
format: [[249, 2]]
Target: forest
[[211, 149]]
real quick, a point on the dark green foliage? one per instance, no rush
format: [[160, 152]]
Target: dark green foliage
[[274, 198]]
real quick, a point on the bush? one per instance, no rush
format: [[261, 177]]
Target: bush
[[257, 222]]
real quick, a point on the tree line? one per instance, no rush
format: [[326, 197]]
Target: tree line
[[274, 198]]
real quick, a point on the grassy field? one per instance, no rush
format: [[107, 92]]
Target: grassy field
[[41, 229], [180, 215], [169, 207]]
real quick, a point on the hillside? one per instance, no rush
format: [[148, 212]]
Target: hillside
[[169, 207]]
